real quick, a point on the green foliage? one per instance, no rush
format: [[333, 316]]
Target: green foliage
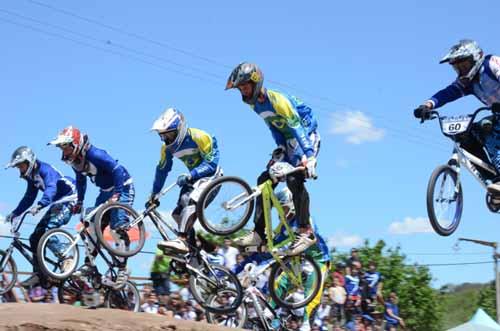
[[459, 303], [419, 304], [487, 300]]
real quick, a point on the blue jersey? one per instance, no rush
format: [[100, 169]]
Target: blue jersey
[[198, 151], [288, 118], [352, 285], [486, 87], [50, 181], [395, 311], [104, 171], [372, 279]]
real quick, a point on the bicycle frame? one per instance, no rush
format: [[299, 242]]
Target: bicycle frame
[[462, 157]]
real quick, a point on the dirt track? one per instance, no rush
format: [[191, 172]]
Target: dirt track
[[38, 317]]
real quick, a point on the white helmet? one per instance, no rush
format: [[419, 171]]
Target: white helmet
[[465, 49], [285, 198], [172, 128]]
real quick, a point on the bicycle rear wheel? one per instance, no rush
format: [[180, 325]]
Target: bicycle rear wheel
[[8, 272], [220, 292], [444, 200], [125, 240], [126, 298], [57, 254], [294, 281], [223, 207]]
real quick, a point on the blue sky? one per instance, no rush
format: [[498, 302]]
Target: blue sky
[[363, 67]]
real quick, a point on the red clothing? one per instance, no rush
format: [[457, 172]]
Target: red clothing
[[339, 277]]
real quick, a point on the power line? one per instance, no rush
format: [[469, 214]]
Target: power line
[[188, 53], [57, 35]]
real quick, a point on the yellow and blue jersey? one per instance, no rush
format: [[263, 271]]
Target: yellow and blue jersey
[[288, 118], [198, 151]]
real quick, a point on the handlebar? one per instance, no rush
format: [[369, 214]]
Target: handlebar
[[435, 114]]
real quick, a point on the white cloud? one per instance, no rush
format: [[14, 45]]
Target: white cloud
[[411, 225], [356, 126], [341, 239]]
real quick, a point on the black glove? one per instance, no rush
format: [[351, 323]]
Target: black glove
[[152, 201], [422, 112], [495, 108]]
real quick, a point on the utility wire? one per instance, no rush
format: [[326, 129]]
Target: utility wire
[[188, 53], [361, 122]]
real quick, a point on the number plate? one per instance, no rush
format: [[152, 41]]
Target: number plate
[[455, 125]]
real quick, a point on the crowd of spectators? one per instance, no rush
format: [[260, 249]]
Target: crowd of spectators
[[352, 301]]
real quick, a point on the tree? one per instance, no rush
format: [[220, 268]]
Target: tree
[[487, 300], [419, 304]]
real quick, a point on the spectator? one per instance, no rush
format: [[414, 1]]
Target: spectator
[[151, 304], [230, 253], [338, 296], [239, 258], [160, 273], [37, 294], [189, 313], [352, 280], [374, 283], [340, 269], [353, 258], [368, 322], [391, 314]]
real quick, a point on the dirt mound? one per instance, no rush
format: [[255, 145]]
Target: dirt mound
[[55, 317]]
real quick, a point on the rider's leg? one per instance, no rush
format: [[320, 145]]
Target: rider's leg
[[492, 143], [184, 215], [120, 216], [296, 184]]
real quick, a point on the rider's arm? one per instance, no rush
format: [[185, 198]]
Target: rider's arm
[[50, 178], [209, 152], [451, 93], [27, 200], [162, 169], [81, 186], [492, 66], [102, 160], [287, 111]]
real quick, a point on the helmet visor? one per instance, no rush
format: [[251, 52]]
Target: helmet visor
[[169, 137], [463, 66]]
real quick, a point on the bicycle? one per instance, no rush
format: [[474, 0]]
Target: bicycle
[[8, 265], [88, 289], [232, 213], [444, 190], [71, 243], [205, 279], [256, 312]]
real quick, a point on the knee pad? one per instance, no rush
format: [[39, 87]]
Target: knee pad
[[187, 218]]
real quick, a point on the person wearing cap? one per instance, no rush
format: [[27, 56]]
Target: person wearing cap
[[41, 176]]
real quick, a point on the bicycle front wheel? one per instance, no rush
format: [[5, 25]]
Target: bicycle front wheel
[[294, 281], [126, 239], [8, 272], [126, 298], [57, 254], [236, 319], [444, 200], [224, 207], [216, 289]]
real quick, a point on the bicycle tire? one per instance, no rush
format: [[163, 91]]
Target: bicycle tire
[[13, 268], [98, 221], [238, 290], [113, 298], [42, 263], [241, 316], [273, 277], [206, 195], [436, 225]]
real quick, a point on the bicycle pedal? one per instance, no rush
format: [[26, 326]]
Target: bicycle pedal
[[255, 249]]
